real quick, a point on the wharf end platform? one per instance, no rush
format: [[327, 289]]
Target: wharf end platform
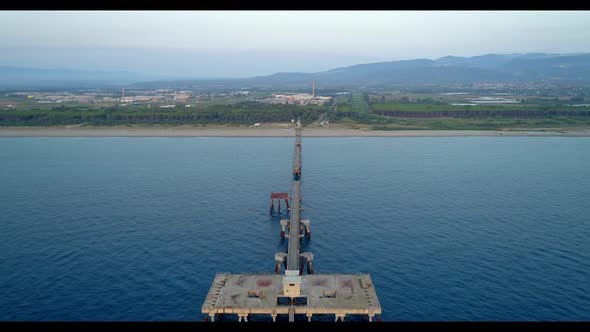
[[321, 294]]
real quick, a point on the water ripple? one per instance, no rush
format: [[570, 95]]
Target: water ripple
[[449, 228]]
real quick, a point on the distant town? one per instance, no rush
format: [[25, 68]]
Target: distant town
[[161, 98]]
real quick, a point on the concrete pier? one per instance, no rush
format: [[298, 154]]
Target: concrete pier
[[340, 295], [293, 293]]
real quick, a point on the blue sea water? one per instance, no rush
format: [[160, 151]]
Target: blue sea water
[[127, 229]]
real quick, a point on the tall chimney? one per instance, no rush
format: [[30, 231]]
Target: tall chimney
[[313, 88], [123, 89]]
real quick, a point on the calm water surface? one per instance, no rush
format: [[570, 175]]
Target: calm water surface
[[470, 228]]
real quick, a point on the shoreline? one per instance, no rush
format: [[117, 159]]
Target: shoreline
[[190, 131]]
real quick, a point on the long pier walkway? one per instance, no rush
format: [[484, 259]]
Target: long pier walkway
[[293, 293], [295, 222]]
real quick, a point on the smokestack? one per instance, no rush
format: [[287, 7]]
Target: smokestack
[[313, 88], [123, 89]]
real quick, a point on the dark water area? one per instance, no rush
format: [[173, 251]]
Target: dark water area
[[127, 229]]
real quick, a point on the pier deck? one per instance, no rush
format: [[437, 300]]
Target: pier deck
[[292, 293], [335, 294]]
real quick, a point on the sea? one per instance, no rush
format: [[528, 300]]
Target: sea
[[449, 228]]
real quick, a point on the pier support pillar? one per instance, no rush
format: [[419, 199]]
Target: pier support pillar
[[280, 257], [243, 318], [274, 317], [305, 223], [371, 318], [284, 225], [309, 317], [212, 317], [308, 257]]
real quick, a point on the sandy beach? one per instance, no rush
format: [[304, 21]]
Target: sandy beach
[[191, 131]]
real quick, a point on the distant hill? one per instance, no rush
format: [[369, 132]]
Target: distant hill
[[418, 72]]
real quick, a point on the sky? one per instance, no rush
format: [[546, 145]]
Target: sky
[[205, 44]]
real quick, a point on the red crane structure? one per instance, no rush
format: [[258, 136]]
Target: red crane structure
[[278, 197]]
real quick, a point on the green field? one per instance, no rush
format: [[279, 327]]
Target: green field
[[354, 115], [419, 107], [483, 124]]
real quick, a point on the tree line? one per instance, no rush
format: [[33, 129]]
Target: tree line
[[217, 114]]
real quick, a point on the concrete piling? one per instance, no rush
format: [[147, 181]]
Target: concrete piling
[[308, 257], [305, 223], [284, 225], [280, 257]]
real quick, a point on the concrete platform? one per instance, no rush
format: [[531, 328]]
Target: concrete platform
[[332, 294]]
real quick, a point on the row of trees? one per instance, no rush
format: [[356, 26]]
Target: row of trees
[[484, 114], [218, 114]]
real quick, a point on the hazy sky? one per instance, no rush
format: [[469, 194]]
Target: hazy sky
[[246, 43]]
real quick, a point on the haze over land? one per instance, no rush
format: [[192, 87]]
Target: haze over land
[[445, 70], [240, 44]]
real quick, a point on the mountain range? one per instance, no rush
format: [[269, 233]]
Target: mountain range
[[416, 72], [424, 72]]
